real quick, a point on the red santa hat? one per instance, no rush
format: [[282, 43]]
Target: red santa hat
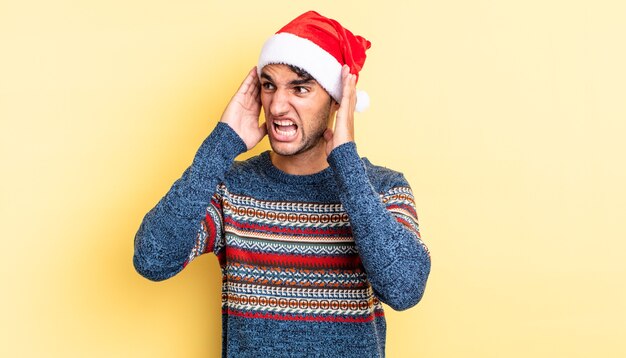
[[320, 46]]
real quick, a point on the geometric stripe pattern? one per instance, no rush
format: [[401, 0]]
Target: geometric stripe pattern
[[292, 260]]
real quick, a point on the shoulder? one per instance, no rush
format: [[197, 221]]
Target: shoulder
[[245, 170], [252, 164], [384, 179]]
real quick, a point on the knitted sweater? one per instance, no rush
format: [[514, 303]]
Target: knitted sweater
[[306, 259]]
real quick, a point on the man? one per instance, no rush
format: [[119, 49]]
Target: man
[[310, 237]]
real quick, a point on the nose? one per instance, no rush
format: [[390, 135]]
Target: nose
[[279, 105]]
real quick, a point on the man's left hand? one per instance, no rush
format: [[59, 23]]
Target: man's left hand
[[344, 120]]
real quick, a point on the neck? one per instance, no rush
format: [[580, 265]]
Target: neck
[[310, 162]]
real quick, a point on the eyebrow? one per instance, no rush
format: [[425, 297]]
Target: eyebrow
[[296, 82], [301, 81]]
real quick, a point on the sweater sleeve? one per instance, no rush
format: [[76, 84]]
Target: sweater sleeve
[[183, 223], [385, 231]]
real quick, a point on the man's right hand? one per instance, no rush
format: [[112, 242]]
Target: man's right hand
[[242, 112]]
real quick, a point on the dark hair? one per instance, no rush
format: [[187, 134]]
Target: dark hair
[[301, 73], [307, 77]]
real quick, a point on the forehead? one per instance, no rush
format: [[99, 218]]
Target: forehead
[[278, 72]]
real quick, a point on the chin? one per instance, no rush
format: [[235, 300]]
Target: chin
[[292, 149], [285, 150]]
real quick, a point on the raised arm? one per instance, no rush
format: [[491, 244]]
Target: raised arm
[[387, 237], [169, 235]]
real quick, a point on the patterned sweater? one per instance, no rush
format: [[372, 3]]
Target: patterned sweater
[[306, 260]]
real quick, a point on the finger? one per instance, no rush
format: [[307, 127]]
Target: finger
[[349, 92], [328, 134], [345, 79], [256, 89], [263, 129], [256, 85], [348, 97], [349, 86], [353, 92], [257, 96], [253, 87], [247, 83]]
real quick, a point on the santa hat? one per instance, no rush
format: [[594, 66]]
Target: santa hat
[[320, 46]]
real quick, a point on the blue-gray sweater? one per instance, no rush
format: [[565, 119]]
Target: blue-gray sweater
[[306, 259]]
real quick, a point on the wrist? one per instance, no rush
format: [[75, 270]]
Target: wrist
[[236, 144], [348, 168], [342, 154]]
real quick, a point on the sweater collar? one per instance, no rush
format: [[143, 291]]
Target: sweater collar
[[272, 171]]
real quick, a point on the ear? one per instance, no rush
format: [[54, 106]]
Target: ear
[[334, 106]]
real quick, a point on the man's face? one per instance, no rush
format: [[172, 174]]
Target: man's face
[[297, 110]]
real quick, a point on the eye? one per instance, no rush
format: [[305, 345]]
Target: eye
[[301, 89], [268, 86]]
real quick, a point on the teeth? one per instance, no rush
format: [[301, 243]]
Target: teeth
[[286, 133], [284, 122]]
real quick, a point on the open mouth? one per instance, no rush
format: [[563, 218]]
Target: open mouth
[[285, 127]]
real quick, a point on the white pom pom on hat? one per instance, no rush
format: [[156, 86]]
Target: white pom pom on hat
[[320, 46]]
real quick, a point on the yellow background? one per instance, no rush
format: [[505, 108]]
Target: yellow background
[[507, 117]]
